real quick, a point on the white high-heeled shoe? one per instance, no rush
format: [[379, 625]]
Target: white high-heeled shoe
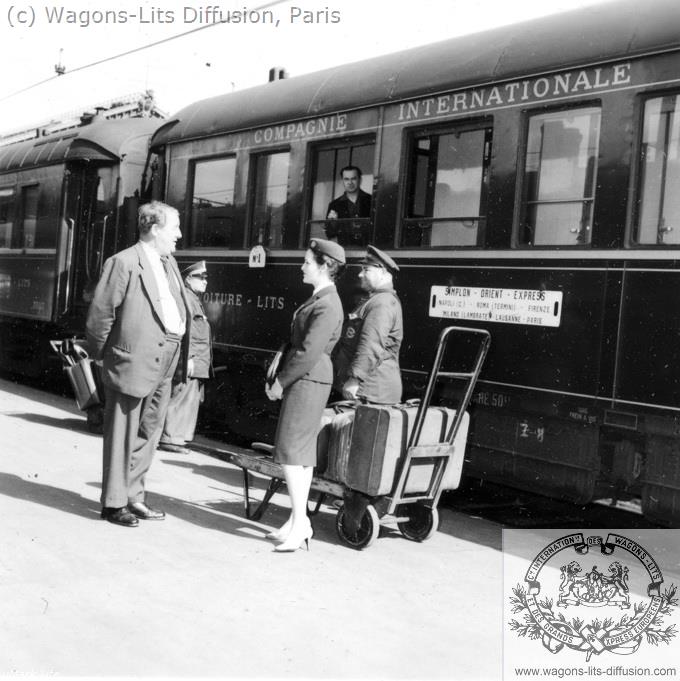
[[295, 540], [281, 533]]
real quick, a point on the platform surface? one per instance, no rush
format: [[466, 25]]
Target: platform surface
[[203, 594]]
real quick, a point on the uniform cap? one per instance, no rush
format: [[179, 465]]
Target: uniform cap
[[329, 248], [195, 268], [374, 256]]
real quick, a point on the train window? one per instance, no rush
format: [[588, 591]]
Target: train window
[[658, 201], [559, 178], [447, 188], [155, 178], [29, 217], [6, 216], [327, 185], [213, 223], [270, 194]]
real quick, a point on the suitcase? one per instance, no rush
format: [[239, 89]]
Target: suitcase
[[84, 384], [378, 444], [332, 444]]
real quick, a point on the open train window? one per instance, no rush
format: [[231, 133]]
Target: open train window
[[328, 186], [558, 189], [6, 216], [269, 199], [446, 188], [658, 200], [213, 222]]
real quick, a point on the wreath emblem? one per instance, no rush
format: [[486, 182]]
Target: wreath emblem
[[594, 589]]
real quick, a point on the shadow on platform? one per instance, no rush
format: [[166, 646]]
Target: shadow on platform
[[211, 516], [67, 423], [478, 532], [227, 474], [47, 495]]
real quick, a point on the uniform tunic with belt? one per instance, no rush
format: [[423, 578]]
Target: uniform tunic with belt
[[369, 348], [306, 376], [186, 396]]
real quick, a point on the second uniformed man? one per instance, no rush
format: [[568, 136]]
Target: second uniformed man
[[187, 395], [367, 356]]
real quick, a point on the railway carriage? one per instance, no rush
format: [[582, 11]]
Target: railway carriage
[[526, 181], [67, 201]]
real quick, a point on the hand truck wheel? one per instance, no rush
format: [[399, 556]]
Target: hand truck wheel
[[422, 522], [366, 534]]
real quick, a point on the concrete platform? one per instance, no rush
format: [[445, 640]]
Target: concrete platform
[[203, 593]]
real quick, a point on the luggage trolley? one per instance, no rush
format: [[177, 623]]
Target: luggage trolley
[[415, 512], [359, 518]]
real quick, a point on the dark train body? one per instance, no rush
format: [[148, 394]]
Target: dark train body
[[67, 201], [524, 178]]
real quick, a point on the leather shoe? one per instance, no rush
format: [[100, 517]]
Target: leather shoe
[[119, 516], [169, 447], [143, 512]]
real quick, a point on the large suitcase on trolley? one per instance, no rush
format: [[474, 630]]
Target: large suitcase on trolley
[[379, 441], [332, 445]]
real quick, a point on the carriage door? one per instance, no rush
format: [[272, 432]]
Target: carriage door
[[89, 219]]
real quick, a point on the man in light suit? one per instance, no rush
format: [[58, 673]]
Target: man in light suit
[[135, 325]]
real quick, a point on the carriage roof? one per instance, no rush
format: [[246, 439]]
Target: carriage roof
[[589, 35]]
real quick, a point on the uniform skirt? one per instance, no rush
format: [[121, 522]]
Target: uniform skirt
[[300, 422]]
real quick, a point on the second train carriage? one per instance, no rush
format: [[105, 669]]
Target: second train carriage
[[68, 200], [525, 179]]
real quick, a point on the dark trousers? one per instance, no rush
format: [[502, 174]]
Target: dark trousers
[[132, 427]]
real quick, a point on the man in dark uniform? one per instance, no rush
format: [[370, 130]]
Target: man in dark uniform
[[367, 356], [186, 397], [135, 325], [354, 203]]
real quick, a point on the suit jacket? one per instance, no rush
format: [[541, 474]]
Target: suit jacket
[[315, 330], [124, 326]]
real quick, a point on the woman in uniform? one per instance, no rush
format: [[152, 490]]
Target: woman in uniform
[[304, 382]]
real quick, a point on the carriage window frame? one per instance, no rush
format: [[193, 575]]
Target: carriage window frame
[[236, 218], [8, 232], [27, 237], [430, 224], [638, 180], [359, 231], [582, 234], [253, 238]]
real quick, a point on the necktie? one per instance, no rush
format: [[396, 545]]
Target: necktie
[[174, 287]]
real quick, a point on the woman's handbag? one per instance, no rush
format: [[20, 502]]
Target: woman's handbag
[[275, 364]]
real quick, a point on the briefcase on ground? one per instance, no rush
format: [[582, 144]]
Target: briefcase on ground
[[83, 382], [379, 441]]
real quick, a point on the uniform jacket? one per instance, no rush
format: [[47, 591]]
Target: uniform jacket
[[369, 348], [200, 340], [315, 330], [124, 323]]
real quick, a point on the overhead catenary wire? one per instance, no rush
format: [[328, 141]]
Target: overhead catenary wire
[[266, 5]]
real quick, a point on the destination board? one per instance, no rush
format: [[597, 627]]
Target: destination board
[[503, 305]]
